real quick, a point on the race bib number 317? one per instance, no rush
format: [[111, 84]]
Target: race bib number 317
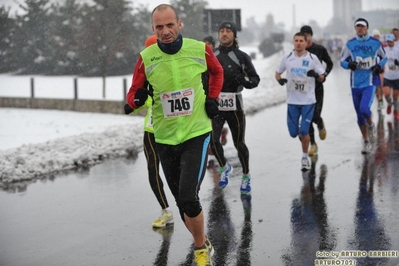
[[177, 103]]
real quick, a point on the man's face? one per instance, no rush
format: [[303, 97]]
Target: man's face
[[361, 30], [390, 44], [226, 37], [396, 34], [300, 43], [309, 39], [165, 25]]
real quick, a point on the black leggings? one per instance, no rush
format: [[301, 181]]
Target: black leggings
[[236, 122], [151, 155], [319, 91], [184, 166]]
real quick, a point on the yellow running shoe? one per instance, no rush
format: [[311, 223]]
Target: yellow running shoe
[[313, 149], [323, 133], [163, 220], [203, 256], [209, 246]]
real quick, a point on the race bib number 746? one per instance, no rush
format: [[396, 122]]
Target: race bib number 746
[[177, 103]]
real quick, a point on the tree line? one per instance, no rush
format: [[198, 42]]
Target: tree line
[[101, 38]]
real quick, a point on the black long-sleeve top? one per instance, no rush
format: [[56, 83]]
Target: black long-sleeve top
[[321, 52]]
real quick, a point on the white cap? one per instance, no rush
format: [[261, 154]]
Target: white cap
[[376, 33], [362, 21]]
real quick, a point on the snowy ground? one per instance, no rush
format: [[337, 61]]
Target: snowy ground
[[35, 143]]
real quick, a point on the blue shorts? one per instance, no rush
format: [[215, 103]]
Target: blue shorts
[[294, 112]]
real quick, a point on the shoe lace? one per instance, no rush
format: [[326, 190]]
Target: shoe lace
[[201, 257], [223, 177], [224, 173], [244, 183], [164, 217]]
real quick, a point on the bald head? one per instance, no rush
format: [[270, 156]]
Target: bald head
[[162, 8], [166, 23]]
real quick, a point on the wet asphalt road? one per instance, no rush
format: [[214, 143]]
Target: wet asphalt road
[[102, 216]]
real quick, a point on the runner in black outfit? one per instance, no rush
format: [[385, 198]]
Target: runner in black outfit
[[239, 72], [321, 52]]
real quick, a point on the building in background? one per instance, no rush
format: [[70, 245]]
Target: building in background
[[347, 11], [382, 19]]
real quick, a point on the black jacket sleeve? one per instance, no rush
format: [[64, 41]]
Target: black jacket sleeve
[[252, 77], [326, 58]]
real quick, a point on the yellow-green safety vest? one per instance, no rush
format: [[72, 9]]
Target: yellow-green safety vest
[[178, 111]]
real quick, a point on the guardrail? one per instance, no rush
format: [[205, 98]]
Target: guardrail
[[75, 104]]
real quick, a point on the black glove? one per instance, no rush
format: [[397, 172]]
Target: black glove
[[128, 109], [282, 81], [141, 96], [377, 69], [353, 65], [240, 78], [212, 107], [312, 73], [396, 62]]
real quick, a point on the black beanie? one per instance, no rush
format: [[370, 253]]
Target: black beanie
[[209, 39], [362, 21], [229, 25], [307, 29]]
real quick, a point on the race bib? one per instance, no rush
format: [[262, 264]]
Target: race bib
[[392, 67], [227, 101], [364, 63], [177, 103], [299, 86]]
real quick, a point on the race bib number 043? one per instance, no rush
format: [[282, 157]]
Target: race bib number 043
[[227, 101], [177, 103]]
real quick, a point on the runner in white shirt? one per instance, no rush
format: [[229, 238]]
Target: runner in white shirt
[[391, 76], [395, 32], [302, 68], [379, 93]]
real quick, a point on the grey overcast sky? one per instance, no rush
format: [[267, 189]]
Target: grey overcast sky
[[282, 10]]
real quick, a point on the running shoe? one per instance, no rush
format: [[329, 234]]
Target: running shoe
[[323, 132], [245, 185], [163, 220], [372, 133], [313, 160], [223, 138], [305, 164], [224, 175], [366, 147], [313, 149], [209, 246], [203, 256], [396, 114], [389, 108]]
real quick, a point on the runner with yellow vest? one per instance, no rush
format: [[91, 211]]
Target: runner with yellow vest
[[182, 114]]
